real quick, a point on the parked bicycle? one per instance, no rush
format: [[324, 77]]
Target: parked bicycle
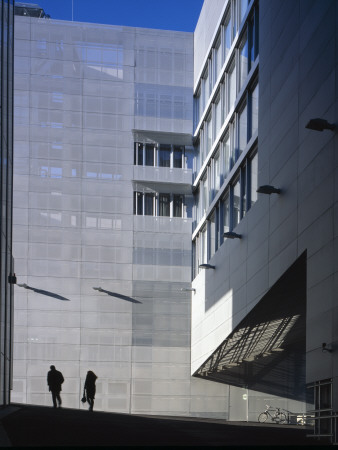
[[275, 415]]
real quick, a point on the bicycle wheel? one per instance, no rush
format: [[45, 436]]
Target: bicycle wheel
[[281, 417], [263, 417]]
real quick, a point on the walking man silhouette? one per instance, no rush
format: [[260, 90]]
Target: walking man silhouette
[[54, 381]]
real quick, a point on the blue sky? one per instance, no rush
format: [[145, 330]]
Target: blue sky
[[181, 15]]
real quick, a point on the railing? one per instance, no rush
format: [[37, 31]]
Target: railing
[[297, 418], [325, 424]]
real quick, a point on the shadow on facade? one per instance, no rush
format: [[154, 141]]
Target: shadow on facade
[[266, 351], [43, 292], [120, 296]]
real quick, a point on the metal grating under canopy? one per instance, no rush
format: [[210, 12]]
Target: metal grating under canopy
[[266, 350]]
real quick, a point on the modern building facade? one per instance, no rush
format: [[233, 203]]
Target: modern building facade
[[175, 211], [7, 277], [264, 309], [103, 217]]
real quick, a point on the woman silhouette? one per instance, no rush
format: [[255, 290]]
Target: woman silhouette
[[90, 388]]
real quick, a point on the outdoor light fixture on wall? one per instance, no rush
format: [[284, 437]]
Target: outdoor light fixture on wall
[[206, 266], [320, 125], [325, 348], [232, 235], [188, 290], [267, 189], [12, 279]]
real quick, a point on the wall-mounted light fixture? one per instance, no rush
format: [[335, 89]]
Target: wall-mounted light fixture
[[12, 278], [206, 266], [267, 189], [188, 290], [325, 348], [320, 125], [232, 235]]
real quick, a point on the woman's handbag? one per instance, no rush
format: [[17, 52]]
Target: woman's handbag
[[84, 398]]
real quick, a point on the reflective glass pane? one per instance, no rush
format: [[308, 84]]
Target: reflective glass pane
[[227, 35], [243, 191], [138, 204], [149, 154], [164, 205], [254, 110], [243, 8], [236, 197], [231, 86], [226, 155], [254, 179], [218, 58], [178, 153], [218, 114], [217, 172], [243, 129], [149, 205], [209, 132], [212, 236], [164, 156], [226, 214], [178, 206], [243, 61]]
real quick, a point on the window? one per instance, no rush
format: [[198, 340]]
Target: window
[[195, 257], [243, 61], [178, 201], [218, 115], [234, 17], [236, 203], [253, 164], [149, 204], [164, 205], [138, 203], [227, 35], [226, 155], [204, 246], [231, 86], [178, 154], [254, 110], [217, 58], [139, 148], [212, 235], [242, 129], [197, 108], [205, 88], [164, 155], [205, 198], [243, 181], [145, 154], [208, 126], [253, 38], [233, 144], [243, 8], [226, 215], [217, 172], [150, 148]]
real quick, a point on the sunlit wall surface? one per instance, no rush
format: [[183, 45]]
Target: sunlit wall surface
[[103, 216], [6, 149]]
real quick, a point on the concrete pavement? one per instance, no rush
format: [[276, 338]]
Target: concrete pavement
[[30, 425]]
